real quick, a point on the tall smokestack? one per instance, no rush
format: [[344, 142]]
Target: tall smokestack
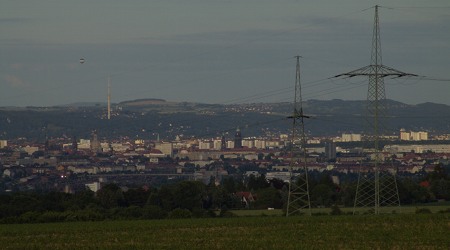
[[109, 97]]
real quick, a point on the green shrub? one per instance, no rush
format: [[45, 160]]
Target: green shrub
[[179, 213], [226, 213], [29, 217], [133, 212], [202, 213], [51, 216], [423, 211], [335, 210], [152, 212], [445, 211]]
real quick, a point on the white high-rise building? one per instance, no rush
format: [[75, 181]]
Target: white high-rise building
[[413, 136], [419, 136], [404, 136]]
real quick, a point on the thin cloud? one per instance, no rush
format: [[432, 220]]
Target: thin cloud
[[16, 66], [14, 81], [10, 20]]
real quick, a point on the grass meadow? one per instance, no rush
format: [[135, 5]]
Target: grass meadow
[[387, 231], [432, 207]]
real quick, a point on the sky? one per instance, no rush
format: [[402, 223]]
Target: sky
[[217, 51]]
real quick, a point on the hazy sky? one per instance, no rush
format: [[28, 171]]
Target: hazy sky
[[217, 51]]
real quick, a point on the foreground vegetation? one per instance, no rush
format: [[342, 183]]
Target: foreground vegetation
[[436, 207], [190, 214], [405, 231], [193, 199]]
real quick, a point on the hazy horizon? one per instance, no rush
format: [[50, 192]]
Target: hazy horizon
[[217, 52], [104, 103]]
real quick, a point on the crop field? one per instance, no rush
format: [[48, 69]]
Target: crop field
[[349, 210], [398, 231]]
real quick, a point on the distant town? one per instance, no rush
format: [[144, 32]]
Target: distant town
[[70, 165]]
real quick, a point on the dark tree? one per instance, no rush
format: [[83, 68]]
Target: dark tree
[[110, 196]]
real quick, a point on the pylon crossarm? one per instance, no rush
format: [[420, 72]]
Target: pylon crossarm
[[357, 72], [376, 70], [384, 71]]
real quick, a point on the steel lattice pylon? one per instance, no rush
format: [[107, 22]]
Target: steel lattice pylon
[[377, 186], [298, 198]]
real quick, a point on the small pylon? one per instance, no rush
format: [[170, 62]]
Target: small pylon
[[298, 198], [377, 185]]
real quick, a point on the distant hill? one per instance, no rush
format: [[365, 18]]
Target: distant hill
[[84, 104], [145, 118], [143, 102]]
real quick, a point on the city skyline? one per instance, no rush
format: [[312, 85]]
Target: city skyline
[[216, 52]]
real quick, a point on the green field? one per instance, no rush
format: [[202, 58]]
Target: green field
[[432, 207], [398, 231]]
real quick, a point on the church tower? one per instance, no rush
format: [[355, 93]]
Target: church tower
[[223, 143], [238, 139]]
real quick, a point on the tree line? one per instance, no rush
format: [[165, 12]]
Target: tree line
[[193, 199]]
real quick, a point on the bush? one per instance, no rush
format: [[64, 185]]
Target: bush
[[335, 210], [85, 215], [29, 217], [179, 213], [51, 216], [202, 213], [153, 212], [225, 212], [133, 212], [445, 211], [423, 211]]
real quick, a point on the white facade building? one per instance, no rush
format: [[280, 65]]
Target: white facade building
[[84, 144], [217, 144], [205, 144], [249, 143], [413, 136], [30, 150], [419, 136], [95, 186], [260, 144], [165, 147], [351, 137], [282, 175], [404, 136], [438, 148], [120, 147]]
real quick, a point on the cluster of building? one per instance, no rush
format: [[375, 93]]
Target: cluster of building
[[413, 136], [61, 162]]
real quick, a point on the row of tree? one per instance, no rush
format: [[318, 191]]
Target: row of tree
[[195, 199]]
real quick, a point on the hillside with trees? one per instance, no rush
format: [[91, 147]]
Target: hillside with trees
[[148, 118]]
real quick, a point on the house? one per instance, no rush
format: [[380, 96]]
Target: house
[[246, 198]]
